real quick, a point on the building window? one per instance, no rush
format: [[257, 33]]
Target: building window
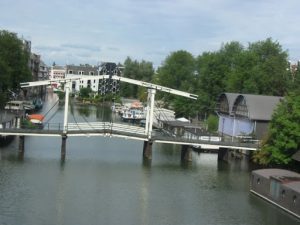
[[80, 72], [92, 73], [70, 71]]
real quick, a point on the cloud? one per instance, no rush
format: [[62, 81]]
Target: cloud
[[73, 30]]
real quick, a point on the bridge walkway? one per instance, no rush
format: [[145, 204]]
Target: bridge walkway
[[125, 130]]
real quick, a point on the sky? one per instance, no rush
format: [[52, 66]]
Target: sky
[[95, 31]]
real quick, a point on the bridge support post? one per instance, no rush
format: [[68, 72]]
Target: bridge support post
[[21, 145], [150, 112], [147, 150], [223, 154], [63, 147], [186, 153]]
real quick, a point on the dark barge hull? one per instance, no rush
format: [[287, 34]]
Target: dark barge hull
[[278, 187]]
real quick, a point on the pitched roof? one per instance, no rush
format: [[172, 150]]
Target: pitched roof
[[261, 107], [231, 97]]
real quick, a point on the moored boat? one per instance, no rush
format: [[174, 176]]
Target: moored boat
[[35, 120], [279, 187], [133, 115]]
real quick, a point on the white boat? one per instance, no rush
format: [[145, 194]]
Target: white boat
[[14, 105], [133, 115], [117, 107], [28, 105], [20, 105]]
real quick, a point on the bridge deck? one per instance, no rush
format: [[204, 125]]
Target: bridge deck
[[123, 130]]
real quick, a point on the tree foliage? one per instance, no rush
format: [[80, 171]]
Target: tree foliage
[[284, 134], [261, 68], [139, 71], [178, 72], [14, 61]]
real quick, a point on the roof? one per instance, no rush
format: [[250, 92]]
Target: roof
[[261, 107], [176, 123], [276, 172], [231, 97], [296, 156]]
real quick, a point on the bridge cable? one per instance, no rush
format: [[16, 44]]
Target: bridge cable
[[52, 114]]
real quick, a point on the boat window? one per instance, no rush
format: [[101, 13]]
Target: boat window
[[294, 198], [258, 180]]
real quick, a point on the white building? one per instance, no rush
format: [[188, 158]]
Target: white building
[[57, 72]]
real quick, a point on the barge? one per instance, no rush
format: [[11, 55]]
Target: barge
[[279, 187]]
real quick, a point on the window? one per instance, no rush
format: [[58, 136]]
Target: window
[[70, 71], [91, 72], [80, 72]]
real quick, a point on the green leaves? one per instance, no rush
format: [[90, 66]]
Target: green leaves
[[284, 134], [14, 60], [139, 71]]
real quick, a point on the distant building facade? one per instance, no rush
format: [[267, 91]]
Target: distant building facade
[[108, 85], [99, 86], [245, 114], [57, 72]]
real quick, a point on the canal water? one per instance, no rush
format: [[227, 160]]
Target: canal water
[[105, 181]]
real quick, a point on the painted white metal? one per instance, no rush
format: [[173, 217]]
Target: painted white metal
[[151, 109], [147, 112], [212, 146], [155, 86], [114, 77], [67, 90]]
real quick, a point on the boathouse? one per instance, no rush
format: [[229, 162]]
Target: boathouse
[[245, 115], [278, 186]]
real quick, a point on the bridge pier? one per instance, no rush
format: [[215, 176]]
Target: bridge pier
[[21, 145], [147, 150], [223, 154], [186, 153], [63, 147]]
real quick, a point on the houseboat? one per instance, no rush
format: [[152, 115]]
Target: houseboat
[[14, 105], [34, 121], [19, 106], [133, 115], [279, 187]]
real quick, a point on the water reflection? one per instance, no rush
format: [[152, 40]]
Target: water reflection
[[105, 181]]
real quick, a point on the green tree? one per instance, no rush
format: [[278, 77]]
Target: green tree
[[269, 74], [85, 92], [14, 59], [178, 72], [139, 71], [259, 69], [284, 134]]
